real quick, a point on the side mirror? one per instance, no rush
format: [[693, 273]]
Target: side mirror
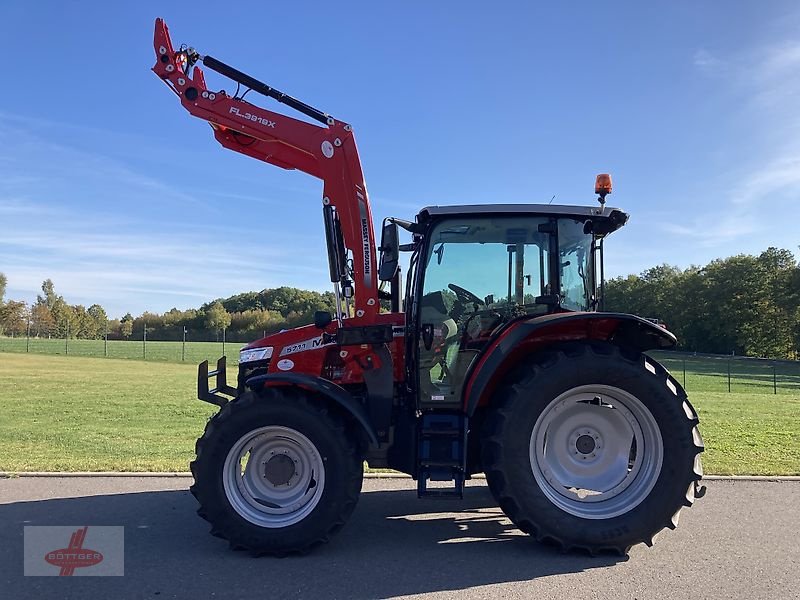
[[322, 318], [390, 251]]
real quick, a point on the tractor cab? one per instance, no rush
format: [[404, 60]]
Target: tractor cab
[[475, 270]]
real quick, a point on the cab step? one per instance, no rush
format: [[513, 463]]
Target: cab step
[[441, 454]]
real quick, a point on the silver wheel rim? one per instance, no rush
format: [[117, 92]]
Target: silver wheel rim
[[274, 476], [596, 451]]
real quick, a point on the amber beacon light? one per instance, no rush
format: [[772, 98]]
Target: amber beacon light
[[602, 185]]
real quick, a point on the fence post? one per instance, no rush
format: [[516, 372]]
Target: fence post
[[66, 340], [774, 378], [729, 375], [223, 341], [105, 344], [144, 343], [28, 338], [183, 347], [684, 373]]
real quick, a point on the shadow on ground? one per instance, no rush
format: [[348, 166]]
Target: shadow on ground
[[393, 545]]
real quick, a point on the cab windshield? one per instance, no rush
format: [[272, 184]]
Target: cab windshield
[[503, 264], [494, 263]]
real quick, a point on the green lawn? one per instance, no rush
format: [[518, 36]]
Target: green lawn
[[75, 414], [195, 352], [747, 375], [702, 373]]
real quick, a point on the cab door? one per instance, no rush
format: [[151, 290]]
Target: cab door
[[475, 274]]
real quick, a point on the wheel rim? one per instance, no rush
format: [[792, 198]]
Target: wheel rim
[[596, 451], [274, 476]]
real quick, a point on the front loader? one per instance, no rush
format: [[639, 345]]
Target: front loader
[[495, 359]]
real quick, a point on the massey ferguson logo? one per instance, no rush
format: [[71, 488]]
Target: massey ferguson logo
[[74, 556], [365, 236]]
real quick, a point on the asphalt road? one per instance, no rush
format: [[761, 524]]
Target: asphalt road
[[740, 541]]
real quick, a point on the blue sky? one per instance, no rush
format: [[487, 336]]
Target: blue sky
[[108, 187]]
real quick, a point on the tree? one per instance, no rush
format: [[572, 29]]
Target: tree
[[97, 321], [126, 326], [50, 298], [67, 320], [80, 322], [3, 282], [42, 321], [257, 321], [744, 304], [13, 318], [217, 317]]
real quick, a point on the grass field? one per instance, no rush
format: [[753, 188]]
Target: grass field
[[707, 373], [195, 352], [702, 373], [74, 414]]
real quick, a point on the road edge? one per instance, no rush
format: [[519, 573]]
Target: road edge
[[378, 475]]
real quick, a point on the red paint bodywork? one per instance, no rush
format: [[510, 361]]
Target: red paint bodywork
[[314, 359], [558, 331]]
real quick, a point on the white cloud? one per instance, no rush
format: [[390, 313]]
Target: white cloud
[[764, 80], [89, 266], [781, 174], [106, 232], [705, 61], [776, 60], [709, 232]]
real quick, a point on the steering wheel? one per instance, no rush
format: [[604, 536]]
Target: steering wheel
[[469, 332], [465, 296]]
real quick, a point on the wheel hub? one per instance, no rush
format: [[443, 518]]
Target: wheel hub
[[585, 444], [596, 451], [274, 476], [279, 470]]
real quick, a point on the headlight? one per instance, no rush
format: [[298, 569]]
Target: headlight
[[255, 354]]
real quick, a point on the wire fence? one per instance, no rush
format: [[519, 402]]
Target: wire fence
[[696, 372], [193, 347], [731, 374]]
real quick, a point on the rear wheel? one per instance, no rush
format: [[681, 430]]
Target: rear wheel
[[276, 473], [591, 448]]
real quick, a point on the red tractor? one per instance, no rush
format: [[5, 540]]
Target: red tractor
[[495, 360]]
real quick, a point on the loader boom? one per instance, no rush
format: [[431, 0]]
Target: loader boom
[[326, 151]]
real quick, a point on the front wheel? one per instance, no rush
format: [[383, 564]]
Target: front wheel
[[591, 448], [276, 473]]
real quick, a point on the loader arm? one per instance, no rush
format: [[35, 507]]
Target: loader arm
[[327, 151]]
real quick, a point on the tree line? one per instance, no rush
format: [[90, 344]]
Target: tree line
[[241, 317], [50, 316], [746, 305]]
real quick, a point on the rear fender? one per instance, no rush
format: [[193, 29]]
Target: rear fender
[[531, 335], [322, 387]]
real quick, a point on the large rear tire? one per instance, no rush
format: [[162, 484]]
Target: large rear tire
[[591, 448], [276, 473]]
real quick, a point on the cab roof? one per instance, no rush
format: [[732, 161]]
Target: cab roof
[[605, 219]]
